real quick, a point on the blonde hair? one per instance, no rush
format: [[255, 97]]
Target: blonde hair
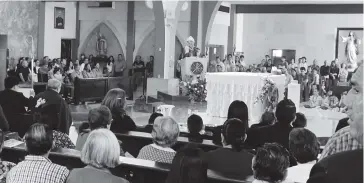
[[165, 131], [101, 149], [115, 100]]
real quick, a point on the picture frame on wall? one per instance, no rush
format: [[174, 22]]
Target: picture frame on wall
[[59, 17], [341, 43]]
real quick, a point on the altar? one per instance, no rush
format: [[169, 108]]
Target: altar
[[225, 87]]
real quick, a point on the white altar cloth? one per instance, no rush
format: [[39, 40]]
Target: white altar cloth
[[225, 87]]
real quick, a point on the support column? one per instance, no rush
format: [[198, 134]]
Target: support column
[[232, 30], [194, 19], [170, 41], [159, 59], [41, 26], [130, 37], [76, 43]]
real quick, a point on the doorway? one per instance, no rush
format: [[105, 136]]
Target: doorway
[[216, 50], [278, 54], [3, 59], [66, 48]]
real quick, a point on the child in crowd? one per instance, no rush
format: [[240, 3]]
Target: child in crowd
[[315, 100], [303, 80], [331, 101]]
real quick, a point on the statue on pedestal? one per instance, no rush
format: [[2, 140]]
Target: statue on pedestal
[[101, 45], [351, 50]]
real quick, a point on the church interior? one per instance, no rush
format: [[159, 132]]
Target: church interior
[[187, 61]]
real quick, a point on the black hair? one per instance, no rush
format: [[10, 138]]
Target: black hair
[[234, 131], [267, 56], [304, 58], [99, 117], [285, 111], [303, 145], [194, 124], [56, 70], [284, 57], [302, 68], [153, 116], [300, 121], [229, 55], [151, 56], [241, 56], [217, 57], [86, 67], [267, 118], [238, 109], [11, 81], [271, 162], [39, 139], [188, 166]]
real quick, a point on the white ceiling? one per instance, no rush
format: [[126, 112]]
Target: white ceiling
[[297, 2]]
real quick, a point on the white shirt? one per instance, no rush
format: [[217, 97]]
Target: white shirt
[[300, 173]]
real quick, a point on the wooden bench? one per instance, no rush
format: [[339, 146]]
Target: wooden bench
[[134, 141], [135, 170]]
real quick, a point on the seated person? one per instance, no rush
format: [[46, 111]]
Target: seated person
[[300, 121], [304, 146], [267, 119], [270, 164], [341, 141], [165, 134], [149, 127], [100, 153], [57, 74], [36, 166], [97, 118], [97, 71], [76, 73], [189, 160], [5, 165], [87, 72], [278, 132], [12, 101], [331, 101], [232, 159], [315, 100], [194, 125], [121, 121]]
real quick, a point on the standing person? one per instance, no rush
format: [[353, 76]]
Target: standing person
[[220, 66], [269, 65], [36, 167], [343, 73], [52, 97], [333, 76], [324, 73], [315, 66], [24, 72], [82, 58], [303, 63], [346, 166], [149, 66], [85, 62], [138, 71], [229, 64], [119, 66]]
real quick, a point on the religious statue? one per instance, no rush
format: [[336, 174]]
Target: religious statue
[[101, 45], [351, 49], [190, 49]]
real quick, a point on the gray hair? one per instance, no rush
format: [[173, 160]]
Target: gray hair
[[165, 131], [54, 84], [101, 149]]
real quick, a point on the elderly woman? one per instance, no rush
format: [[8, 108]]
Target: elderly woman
[[100, 152], [165, 133], [115, 101]]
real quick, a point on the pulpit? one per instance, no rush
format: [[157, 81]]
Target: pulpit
[[193, 66]]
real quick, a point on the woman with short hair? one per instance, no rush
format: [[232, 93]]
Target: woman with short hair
[[100, 153], [188, 166], [87, 72], [115, 101], [165, 134]]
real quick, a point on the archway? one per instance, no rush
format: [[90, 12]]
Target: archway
[[210, 10], [106, 25]]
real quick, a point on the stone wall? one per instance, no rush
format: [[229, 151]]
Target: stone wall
[[18, 20]]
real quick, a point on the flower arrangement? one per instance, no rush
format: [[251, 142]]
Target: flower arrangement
[[268, 95], [194, 87]]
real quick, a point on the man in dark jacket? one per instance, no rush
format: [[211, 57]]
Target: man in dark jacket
[[346, 166], [278, 132], [11, 101], [52, 97]]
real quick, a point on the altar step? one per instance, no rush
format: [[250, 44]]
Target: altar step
[[167, 98]]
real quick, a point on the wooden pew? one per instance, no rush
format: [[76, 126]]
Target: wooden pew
[[135, 170], [134, 141]]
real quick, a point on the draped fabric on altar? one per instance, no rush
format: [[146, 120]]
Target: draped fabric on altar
[[224, 88]]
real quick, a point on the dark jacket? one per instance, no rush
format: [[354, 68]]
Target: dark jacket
[[278, 132], [4, 125], [122, 123], [343, 167], [13, 102], [230, 163], [53, 98]]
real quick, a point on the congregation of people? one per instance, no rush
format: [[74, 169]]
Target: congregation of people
[[277, 150]]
